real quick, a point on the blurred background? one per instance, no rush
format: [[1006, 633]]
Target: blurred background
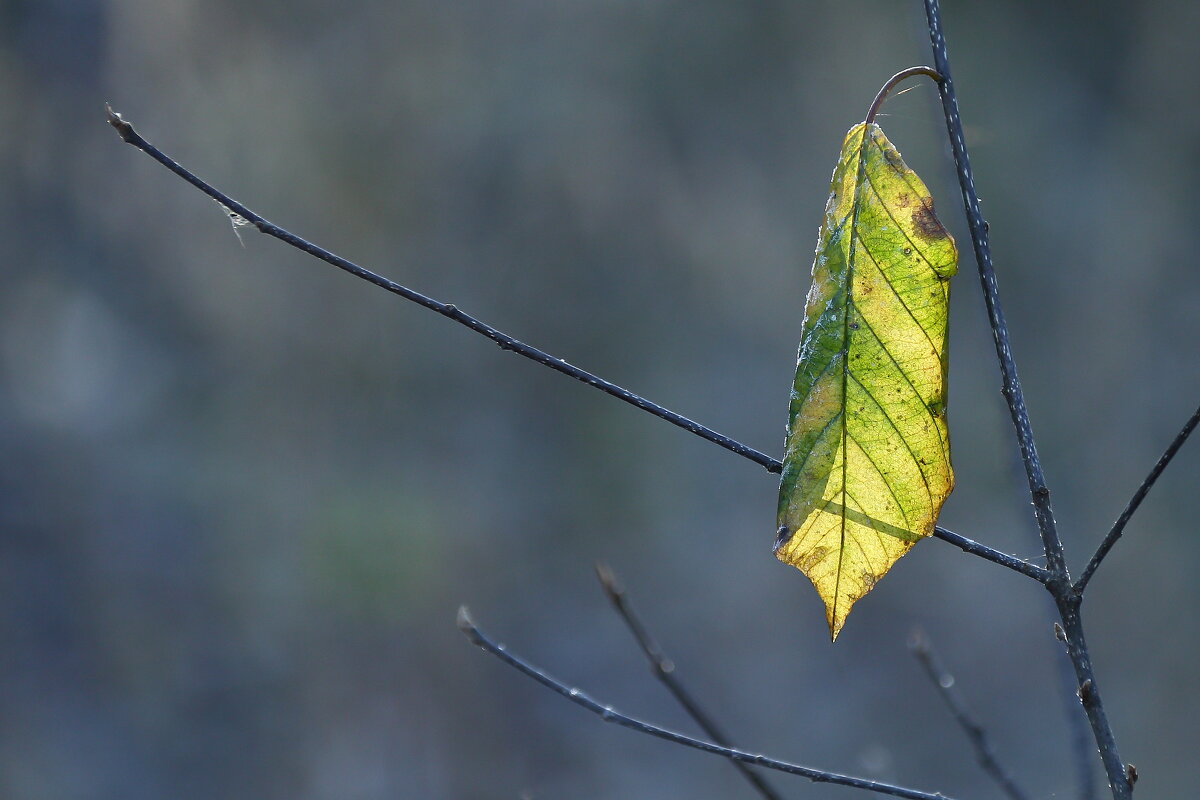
[[243, 494]]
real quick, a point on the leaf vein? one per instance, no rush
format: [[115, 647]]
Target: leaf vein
[[907, 379], [902, 437]]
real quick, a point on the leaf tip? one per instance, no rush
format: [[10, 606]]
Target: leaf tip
[[836, 615]]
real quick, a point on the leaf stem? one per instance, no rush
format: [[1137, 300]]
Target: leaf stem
[[944, 682], [1118, 527], [608, 714], [664, 669], [892, 82], [506, 342]]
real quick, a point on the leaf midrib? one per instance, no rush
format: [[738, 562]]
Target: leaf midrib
[[847, 301]]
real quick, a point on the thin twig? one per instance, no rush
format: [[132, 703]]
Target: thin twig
[[1059, 585], [1118, 527], [1039, 574], [944, 682], [506, 342], [608, 714], [664, 670]]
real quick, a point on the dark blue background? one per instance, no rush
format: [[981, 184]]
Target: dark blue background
[[242, 495]]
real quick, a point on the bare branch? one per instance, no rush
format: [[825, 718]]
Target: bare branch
[[944, 682], [987, 275], [608, 714], [1039, 574], [1118, 527], [664, 670], [506, 342], [1083, 749], [1059, 584]]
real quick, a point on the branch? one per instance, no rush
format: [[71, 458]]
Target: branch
[[944, 682], [1118, 527], [1082, 748], [987, 275], [606, 713], [1089, 697], [1059, 585], [664, 670], [506, 342], [1039, 574]]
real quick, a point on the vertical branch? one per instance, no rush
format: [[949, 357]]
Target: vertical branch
[[1082, 749], [1066, 599], [987, 276], [1089, 697]]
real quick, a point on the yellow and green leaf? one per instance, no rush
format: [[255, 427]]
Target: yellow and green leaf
[[867, 464]]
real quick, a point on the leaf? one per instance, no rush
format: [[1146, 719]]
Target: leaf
[[867, 464]]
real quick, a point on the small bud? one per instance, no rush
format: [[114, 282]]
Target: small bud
[[1085, 692], [1059, 633], [1131, 775]]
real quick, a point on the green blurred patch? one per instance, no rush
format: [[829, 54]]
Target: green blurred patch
[[372, 553]]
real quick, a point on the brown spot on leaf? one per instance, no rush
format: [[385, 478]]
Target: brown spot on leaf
[[812, 559], [893, 157], [904, 200], [926, 224]]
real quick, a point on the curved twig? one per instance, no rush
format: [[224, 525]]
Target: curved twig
[[892, 82]]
